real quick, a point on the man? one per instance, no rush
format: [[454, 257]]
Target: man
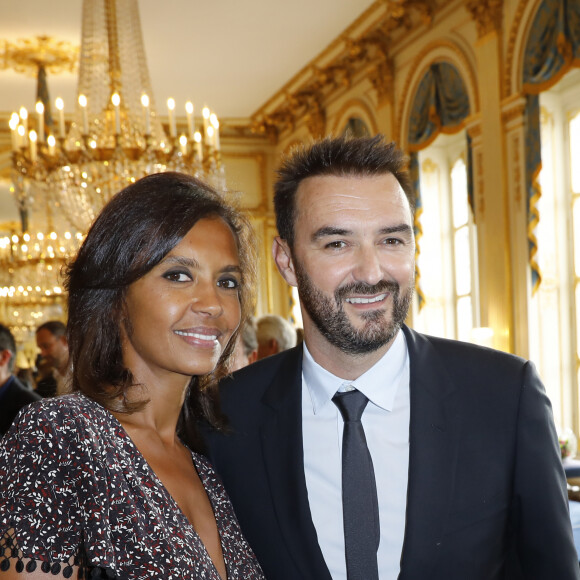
[[52, 343], [469, 482], [13, 394], [246, 351], [275, 334]]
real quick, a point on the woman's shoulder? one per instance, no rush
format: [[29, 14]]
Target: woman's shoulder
[[60, 409], [73, 418]]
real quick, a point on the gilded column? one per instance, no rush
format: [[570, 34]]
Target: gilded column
[[490, 179]]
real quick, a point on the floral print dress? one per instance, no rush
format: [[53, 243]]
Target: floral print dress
[[75, 491]]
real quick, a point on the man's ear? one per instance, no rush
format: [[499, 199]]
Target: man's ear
[[5, 356], [283, 258]]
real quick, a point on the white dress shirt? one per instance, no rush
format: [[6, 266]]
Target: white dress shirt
[[386, 425]]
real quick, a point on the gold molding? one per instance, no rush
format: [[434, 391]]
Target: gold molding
[[512, 111], [480, 185], [516, 26], [333, 70], [353, 104], [517, 170], [28, 55], [260, 158], [487, 15]]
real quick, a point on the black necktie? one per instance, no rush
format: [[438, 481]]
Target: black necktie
[[359, 491]]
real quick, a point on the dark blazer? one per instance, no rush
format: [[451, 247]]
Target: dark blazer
[[486, 494], [13, 396]]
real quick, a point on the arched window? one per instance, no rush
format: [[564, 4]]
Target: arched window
[[446, 302]]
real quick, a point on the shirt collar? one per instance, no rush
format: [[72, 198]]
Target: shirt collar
[[379, 384]]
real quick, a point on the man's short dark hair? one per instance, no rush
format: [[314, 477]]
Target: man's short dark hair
[[339, 156], [7, 342], [55, 327]]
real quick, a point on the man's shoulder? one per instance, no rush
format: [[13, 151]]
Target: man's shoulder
[[266, 368], [19, 390], [462, 359]]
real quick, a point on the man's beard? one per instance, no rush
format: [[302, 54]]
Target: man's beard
[[333, 323]]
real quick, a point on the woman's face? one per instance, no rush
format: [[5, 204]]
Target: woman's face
[[183, 312]]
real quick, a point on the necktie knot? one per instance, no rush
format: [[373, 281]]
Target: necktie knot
[[351, 405]]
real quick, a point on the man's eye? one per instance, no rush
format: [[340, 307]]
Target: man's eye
[[393, 241], [229, 283], [336, 245], [177, 276]]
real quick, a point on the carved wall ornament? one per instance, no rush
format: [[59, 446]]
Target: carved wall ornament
[[382, 77], [487, 15], [365, 54], [28, 55]]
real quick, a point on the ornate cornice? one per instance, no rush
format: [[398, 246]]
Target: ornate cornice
[[487, 15], [362, 49]]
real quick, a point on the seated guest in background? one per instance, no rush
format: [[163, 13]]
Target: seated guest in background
[[275, 334], [13, 394], [246, 351], [96, 483], [52, 343], [373, 451]]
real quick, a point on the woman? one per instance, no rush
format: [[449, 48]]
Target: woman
[[97, 484]]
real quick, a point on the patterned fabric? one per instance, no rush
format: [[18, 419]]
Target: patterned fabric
[[440, 105], [553, 45], [533, 189], [417, 226], [75, 491]]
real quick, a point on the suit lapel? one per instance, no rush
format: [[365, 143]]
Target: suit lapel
[[432, 455], [281, 436]]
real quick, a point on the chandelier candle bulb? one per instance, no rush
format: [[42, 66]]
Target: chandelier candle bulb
[[205, 113], [116, 100], [198, 147], [59, 103], [21, 136], [13, 124], [33, 151], [190, 124], [216, 125], [210, 137], [147, 111], [51, 144], [40, 113], [170, 108], [24, 118], [183, 144], [83, 105]]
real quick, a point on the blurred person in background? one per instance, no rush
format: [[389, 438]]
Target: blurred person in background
[[246, 351], [52, 343], [275, 334], [14, 395]]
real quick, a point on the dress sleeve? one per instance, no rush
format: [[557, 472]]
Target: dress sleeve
[[41, 522]]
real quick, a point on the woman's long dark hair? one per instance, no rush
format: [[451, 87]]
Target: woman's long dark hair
[[133, 233]]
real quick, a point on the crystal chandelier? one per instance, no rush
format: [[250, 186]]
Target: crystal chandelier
[[65, 171]]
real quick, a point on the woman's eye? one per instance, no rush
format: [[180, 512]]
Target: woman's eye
[[177, 276], [229, 283]]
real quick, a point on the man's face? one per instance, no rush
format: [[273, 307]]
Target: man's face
[[54, 349], [353, 260]]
